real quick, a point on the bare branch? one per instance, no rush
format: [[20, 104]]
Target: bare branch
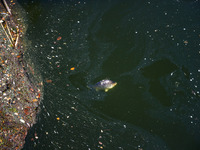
[[6, 5], [6, 33]]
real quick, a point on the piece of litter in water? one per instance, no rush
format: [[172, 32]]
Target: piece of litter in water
[[73, 68], [22, 121]]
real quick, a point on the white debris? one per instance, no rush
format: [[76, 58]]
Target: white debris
[[16, 114], [22, 121]]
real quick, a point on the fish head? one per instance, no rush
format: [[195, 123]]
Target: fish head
[[113, 84]]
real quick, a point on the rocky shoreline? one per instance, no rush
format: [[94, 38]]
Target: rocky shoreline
[[20, 94]]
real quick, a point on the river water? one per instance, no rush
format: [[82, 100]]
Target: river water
[[150, 48]]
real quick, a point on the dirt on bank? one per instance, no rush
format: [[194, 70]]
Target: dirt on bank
[[20, 94]]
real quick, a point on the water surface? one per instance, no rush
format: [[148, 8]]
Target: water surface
[[151, 48]]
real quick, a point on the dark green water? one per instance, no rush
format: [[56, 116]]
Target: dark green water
[[151, 48]]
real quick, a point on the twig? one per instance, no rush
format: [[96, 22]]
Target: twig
[[9, 32], [6, 5], [6, 33], [17, 39]]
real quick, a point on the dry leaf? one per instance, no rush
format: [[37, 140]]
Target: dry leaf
[[49, 81], [72, 68], [34, 100], [59, 38]]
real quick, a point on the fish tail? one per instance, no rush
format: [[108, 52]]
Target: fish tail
[[93, 87], [90, 86]]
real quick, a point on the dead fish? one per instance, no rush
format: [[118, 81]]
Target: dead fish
[[105, 85]]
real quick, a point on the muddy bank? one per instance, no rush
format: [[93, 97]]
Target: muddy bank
[[20, 93]]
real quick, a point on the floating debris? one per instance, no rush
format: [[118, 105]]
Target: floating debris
[[73, 68], [59, 38], [20, 94]]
